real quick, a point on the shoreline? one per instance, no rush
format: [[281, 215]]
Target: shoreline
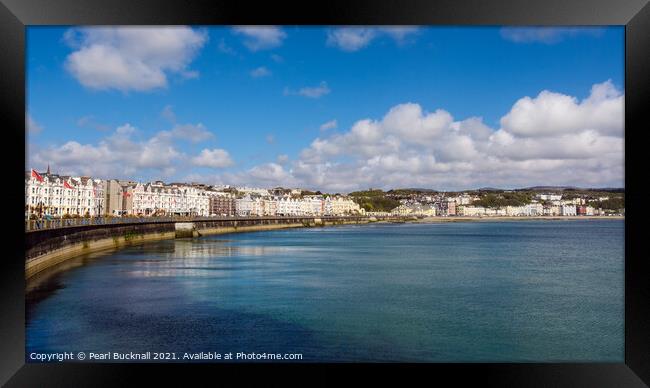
[[438, 219]]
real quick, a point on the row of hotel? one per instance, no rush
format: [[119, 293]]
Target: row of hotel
[[48, 194], [543, 205]]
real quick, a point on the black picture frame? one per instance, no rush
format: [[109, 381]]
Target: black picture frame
[[15, 15]]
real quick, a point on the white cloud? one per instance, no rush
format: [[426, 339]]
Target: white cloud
[[124, 153], [118, 155], [328, 125], [90, 122], [551, 113], [315, 92], [260, 72], [269, 172], [191, 132], [31, 125], [350, 38], [261, 37], [400, 33], [582, 145], [264, 175], [131, 58], [215, 158], [168, 114], [553, 139], [310, 92], [355, 38], [224, 48], [547, 35], [282, 158]]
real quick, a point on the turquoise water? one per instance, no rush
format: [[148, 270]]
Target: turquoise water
[[454, 292]]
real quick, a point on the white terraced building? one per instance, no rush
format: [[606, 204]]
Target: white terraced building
[[312, 206], [244, 206], [288, 207], [59, 195], [568, 210], [337, 206], [56, 195], [415, 210], [533, 209], [159, 199]]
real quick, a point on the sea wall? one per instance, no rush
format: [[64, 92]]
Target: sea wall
[[47, 248]]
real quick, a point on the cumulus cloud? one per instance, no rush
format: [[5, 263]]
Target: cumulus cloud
[[132, 58], [548, 139], [551, 139], [264, 175], [547, 35], [260, 72], [127, 153], [214, 158], [192, 132], [261, 37], [551, 113], [117, 155], [355, 38]]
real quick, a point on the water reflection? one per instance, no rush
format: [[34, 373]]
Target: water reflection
[[200, 258]]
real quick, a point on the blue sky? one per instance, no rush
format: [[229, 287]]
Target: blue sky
[[471, 107]]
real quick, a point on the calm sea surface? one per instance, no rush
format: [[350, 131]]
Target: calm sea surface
[[453, 292]]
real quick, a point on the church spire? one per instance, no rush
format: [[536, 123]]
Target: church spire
[[48, 169]]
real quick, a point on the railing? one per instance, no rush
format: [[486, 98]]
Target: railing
[[56, 223]]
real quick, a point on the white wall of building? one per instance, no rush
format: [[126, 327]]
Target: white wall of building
[[61, 195]]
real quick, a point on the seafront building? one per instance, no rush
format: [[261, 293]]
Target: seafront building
[[334, 206], [568, 210], [221, 204], [289, 206], [416, 209], [158, 199], [530, 210], [59, 195], [48, 194]]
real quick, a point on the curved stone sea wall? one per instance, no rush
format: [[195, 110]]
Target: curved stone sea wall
[[49, 247]]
